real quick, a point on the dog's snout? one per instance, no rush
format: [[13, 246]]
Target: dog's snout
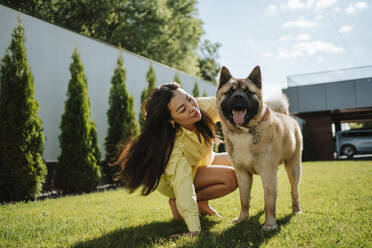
[[239, 96]]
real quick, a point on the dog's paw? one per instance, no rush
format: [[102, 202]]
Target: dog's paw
[[296, 209], [268, 228], [297, 212], [239, 219]]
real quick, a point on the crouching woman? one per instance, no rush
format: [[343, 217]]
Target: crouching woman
[[173, 154]]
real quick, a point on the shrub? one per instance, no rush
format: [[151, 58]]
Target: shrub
[[94, 142], [22, 169], [151, 84], [177, 80], [195, 90], [77, 170], [121, 116]]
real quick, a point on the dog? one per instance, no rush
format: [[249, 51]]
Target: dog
[[258, 138]]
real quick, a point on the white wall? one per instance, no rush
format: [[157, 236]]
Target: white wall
[[49, 51]]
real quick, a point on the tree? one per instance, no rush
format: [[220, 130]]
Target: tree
[[121, 116], [167, 31], [177, 79], [77, 169], [151, 84], [209, 68], [204, 93], [94, 142], [195, 90], [22, 169], [355, 125]]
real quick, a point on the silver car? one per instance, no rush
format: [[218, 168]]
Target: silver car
[[354, 141]]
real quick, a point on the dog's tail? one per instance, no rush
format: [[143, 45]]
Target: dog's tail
[[279, 104]]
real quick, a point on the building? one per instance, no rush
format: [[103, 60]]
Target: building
[[330, 97]]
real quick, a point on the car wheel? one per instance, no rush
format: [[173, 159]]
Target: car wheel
[[349, 151]]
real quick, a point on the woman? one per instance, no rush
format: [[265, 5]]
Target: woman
[[173, 154]]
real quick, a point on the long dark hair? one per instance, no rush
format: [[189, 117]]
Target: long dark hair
[[142, 161]]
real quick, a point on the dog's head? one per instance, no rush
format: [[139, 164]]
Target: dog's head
[[239, 101]]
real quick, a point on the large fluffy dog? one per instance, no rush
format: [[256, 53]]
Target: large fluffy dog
[[258, 138]]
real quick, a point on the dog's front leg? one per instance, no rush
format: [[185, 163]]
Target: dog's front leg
[[269, 182], [245, 185]]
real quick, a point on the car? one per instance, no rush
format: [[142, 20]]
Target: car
[[352, 142]]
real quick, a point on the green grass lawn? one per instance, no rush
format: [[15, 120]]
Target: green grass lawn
[[336, 199]]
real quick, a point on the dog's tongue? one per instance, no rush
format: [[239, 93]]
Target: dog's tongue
[[238, 116]]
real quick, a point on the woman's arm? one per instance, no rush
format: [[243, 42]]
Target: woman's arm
[[185, 194]]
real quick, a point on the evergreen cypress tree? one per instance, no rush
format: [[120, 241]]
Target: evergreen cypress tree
[[204, 93], [177, 80], [151, 80], [77, 170], [195, 90], [94, 142], [121, 116], [22, 169]]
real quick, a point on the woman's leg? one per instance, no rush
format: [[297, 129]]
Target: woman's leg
[[222, 159], [211, 182], [214, 181]]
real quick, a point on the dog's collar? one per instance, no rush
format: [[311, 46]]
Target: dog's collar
[[265, 115]]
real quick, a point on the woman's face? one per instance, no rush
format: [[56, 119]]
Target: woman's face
[[184, 109]]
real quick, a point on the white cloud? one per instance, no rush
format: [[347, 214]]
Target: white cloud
[[345, 29], [301, 22], [310, 4], [353, 7], [303, 37], [268, 55], [284, 38], [272, 9], [361, 5], [337, 9], [298, 4], [301, 49], [283, 7], [289, 55], [294, 4], [310, 48], [251, 42], [350, 9], [324, 4]]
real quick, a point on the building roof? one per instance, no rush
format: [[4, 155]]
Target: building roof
[[330, 76], [330, 90]]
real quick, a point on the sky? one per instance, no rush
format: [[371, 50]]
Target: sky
[[288, 37]]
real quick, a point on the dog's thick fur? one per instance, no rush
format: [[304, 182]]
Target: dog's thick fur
[[258, 138]]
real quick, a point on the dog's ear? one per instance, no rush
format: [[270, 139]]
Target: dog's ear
[[255, 77], [224, 76]]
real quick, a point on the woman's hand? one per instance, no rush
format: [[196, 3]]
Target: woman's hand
[[192, 234]]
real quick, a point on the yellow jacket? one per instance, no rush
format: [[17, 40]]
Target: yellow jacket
[[188, 154]]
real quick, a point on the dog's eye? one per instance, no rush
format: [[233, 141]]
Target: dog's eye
[[249, 92], [231, 90]]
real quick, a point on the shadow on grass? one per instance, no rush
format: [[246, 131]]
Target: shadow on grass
[[246, 234], [146, 235]]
